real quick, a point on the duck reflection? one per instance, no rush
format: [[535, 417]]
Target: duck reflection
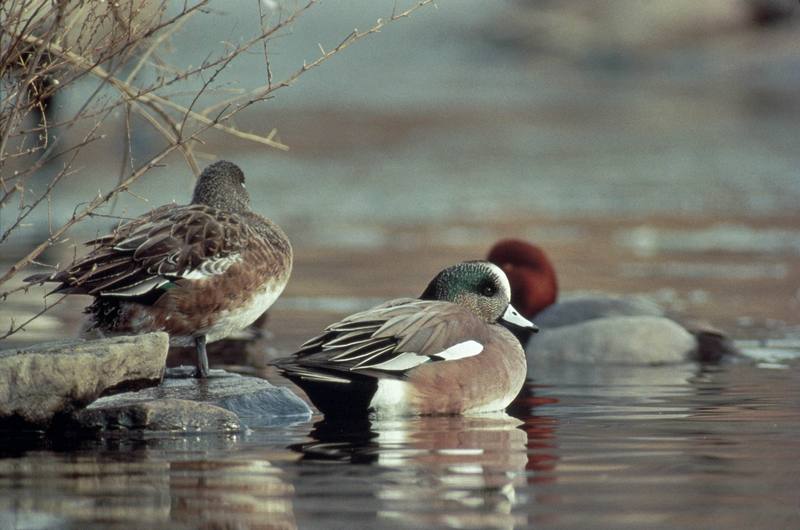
[[429, 471], [250, 493], [541, 429]]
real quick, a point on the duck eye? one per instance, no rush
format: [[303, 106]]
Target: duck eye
[[488, 290]]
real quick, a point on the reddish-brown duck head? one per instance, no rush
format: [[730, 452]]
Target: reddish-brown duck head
[[531, 274]]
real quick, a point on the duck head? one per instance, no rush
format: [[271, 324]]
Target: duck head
[[483, 288], [532, 276], [221, 185]]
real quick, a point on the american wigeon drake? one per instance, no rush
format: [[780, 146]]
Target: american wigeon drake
[[198, 271], [447, 352], [598, 328]]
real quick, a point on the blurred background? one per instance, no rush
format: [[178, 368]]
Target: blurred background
[[649, 147]]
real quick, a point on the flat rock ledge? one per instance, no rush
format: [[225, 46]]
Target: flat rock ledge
[[225, 402], [43, 384]]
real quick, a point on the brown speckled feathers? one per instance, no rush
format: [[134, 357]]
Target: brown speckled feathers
[[199, 272], [167, 243], [189, 244]]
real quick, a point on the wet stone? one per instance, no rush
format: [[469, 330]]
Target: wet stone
[[43, 384], [225, 402], [635, 340], [584, 307], [159, 415]]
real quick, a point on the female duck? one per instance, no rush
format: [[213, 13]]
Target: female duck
[[598, 328], [199, 271], [447, 352]]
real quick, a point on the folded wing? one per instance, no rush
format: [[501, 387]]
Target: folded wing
[[170, 243], [392, 338]]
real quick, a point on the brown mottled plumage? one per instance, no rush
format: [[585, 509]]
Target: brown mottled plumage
[[447, 353], [199, 271]]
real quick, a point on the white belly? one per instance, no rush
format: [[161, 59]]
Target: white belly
[[390, 398]]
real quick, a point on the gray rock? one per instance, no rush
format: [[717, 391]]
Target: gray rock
[[159, 415], [223, 402], [576, 309], [45, 382], [631, 340]]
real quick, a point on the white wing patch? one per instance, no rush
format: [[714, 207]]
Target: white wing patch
[[404, 361], [462, 350], [212, 267], [408, 360]]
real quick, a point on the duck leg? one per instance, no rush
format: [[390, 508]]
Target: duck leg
[[202, 357]]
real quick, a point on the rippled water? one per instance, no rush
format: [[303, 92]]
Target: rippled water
[[619, 447]]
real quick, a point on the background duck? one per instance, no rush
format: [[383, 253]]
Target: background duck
[[199, 271], [448, 352], [599, 328]]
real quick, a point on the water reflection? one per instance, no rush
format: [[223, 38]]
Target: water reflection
[[429, 471], [615, 391], [600, 447], [85, 488], [169, 482], [541, 430], [231, 494]]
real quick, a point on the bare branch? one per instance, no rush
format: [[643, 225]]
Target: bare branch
[[36, 62], [13, 329]]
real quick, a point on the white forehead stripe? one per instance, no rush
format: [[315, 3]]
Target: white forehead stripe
[[503, 279]]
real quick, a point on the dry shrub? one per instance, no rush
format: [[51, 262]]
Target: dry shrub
[[48, 46]]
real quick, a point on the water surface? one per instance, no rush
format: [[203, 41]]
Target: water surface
[[621, 447]]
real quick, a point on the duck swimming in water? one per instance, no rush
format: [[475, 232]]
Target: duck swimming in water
[[447, 352]]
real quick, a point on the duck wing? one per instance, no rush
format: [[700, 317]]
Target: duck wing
[[389, 339], [191, 242]]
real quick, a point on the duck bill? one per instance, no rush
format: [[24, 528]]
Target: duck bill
[[512, 318]]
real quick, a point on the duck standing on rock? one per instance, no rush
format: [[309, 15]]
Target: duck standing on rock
[[448, 352], [199, 271], [599, 328]]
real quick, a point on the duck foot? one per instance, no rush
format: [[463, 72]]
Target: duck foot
[[202, 357]]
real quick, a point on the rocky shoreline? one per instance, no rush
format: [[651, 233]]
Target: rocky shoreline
[[121, 384]]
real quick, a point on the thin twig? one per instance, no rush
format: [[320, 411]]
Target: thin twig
[[149, 98], [352, 37], [13, 329], [154, 107]]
